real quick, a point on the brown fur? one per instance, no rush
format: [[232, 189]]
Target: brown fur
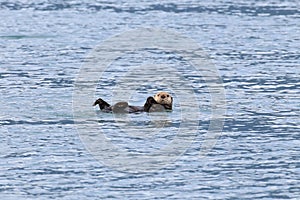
[[160, 102], [165, 99]]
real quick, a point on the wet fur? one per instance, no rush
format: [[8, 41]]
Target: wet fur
[[160, 102]]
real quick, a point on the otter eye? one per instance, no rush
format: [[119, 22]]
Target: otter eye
[[168, 95]]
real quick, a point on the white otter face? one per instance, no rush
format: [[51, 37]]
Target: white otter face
[[164, 98]]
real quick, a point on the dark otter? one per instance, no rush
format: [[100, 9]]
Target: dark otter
[[151, 105]]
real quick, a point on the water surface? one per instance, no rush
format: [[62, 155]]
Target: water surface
[[253, 44]]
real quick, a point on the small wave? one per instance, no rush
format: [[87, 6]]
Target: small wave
[[17, 37], [42, 122], [253, 10]]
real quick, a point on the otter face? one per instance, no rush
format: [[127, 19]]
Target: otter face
[[164, 98]]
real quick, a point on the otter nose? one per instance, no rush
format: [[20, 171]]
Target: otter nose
[[163, 96]]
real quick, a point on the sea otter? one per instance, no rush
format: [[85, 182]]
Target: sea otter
[[160, 102]]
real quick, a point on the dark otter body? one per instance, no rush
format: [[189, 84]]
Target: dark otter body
[[122, 107]]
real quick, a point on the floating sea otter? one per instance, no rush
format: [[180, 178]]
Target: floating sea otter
[[160, 102]]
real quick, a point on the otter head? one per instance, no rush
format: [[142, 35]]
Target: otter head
[[165, 99]]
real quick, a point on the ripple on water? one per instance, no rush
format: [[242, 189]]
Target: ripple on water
[[255, 46]]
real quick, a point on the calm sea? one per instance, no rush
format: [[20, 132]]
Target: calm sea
[[52, 148]]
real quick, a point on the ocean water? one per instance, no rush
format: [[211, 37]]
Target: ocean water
[[57, 57]]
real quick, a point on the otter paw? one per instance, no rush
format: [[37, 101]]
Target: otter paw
[[157, 108]]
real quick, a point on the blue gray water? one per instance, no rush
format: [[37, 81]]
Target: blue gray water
[[253, 44]]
